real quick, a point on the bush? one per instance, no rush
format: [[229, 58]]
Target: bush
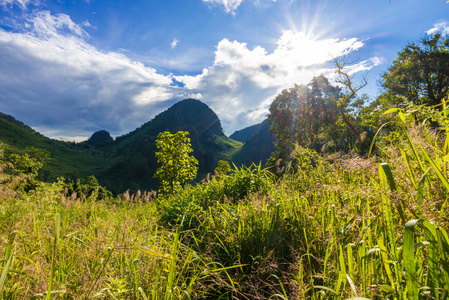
[[88, 188], [188, 205]]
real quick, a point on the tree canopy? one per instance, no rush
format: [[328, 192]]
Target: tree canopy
[[177, 164], [312, 116], [420, 73]]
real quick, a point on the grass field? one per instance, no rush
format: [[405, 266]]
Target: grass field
[[347, 228]]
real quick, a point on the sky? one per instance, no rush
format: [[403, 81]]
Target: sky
[[69, 68]]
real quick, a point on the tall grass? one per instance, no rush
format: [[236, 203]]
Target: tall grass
[[347, 228]]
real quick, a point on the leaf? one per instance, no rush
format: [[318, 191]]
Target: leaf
[[401, 116], [391, 110], [408, 249], [436, 168], [325, 288]]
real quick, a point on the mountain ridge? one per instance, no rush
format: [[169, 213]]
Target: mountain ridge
[[128, 161]]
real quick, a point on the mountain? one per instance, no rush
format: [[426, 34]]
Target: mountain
[[134, 153], [101, 137], [257, 148], [69, 160], [129, 161], [245, 134]]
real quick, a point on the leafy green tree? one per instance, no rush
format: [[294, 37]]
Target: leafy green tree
[[177, 164], [29, 163], [312, 116], [41, 155], [420, 73]]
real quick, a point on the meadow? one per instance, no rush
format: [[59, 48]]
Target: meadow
[[339, 226]]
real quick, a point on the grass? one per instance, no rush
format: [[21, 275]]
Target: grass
[[355, 228]]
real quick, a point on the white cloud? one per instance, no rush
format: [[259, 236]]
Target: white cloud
[[22, 3], [442, 27], [242, 82], [87, 24], [52, 76], [46, 25], [174, 43], [229, 5]]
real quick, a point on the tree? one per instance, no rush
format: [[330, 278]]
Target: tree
[[420, 73], [223, 168], [312, 116], [177, 164], [31, 162]]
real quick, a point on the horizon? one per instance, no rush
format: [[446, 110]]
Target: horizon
[[71, 69]]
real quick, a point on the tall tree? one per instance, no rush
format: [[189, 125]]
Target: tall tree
[[177, 164], [420, 73], [307, 115]]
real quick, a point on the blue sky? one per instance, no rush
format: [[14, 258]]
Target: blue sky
[[69, 68]]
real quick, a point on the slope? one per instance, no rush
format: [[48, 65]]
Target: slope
[[69, 160], [129, 161], [258, 148]]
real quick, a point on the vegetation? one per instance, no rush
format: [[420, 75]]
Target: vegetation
[[177, 163], [313, 116], [128, 162], [328, 225], [337, 230], [420, 73]]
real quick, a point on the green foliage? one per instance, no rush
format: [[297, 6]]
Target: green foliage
[[300, 159], [186, 205], [315, 116], [420, 73], [24, 164], [177, 164], [223, 168], [2, 151], [88, 188], [29, 163]]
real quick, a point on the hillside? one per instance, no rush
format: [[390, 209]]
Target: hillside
[[128, 162], [258, 148], [245, 134], [134, 153], [69, 160]]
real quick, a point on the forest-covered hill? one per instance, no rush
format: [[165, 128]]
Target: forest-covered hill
[[129, 162]]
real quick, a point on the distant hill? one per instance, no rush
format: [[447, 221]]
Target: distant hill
[[69, 160], [19, 124], [129, 161], [245, 134], [258, 147], [100, 138]]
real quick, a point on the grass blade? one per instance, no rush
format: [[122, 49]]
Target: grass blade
[[432, 260], [5, 271], [436, 168], [409, 260]]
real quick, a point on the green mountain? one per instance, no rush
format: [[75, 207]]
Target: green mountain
[[257, 148], [245, 134], [134, 153], [69, 160], [128, 162]]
